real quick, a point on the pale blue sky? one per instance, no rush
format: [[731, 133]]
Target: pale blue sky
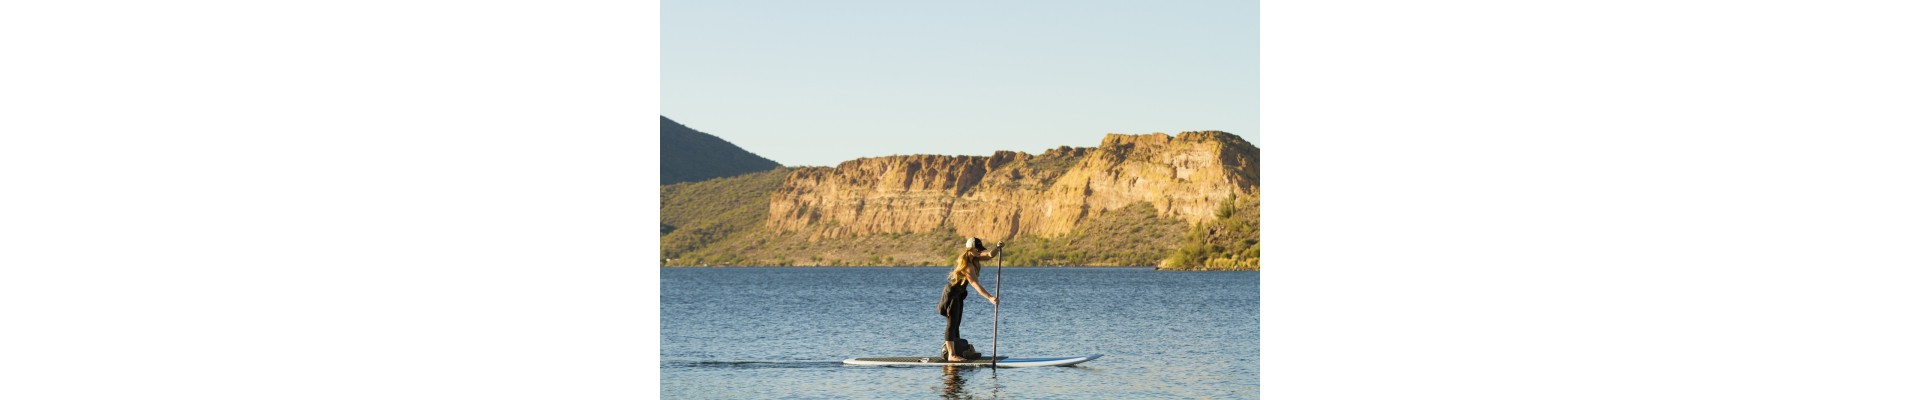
[[820, 82]]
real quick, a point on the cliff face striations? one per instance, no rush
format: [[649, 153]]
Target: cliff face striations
[[1184, 177]]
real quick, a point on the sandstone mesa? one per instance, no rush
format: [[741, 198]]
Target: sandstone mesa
[[1011, 194]]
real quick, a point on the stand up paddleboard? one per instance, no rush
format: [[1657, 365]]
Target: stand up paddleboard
[[987, 362], [1005, 362]]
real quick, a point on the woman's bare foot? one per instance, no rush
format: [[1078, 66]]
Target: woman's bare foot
[[951, 355]]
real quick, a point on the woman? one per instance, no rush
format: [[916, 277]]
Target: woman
[[966, 271]]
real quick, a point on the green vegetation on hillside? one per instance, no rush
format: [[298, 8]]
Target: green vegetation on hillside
[[1231, 241], [696, 214], [1131, 236], [762, 247]]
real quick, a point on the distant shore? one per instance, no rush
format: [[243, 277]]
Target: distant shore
[[949, 266]]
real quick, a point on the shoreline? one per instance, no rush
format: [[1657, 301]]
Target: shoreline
[[1146, 267]]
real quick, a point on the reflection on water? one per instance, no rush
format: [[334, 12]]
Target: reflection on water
[[956, 387], [955, 382]]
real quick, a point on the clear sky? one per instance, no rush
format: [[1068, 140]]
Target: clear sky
[[820, 82]]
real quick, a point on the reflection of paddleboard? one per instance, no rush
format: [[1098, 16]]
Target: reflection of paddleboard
[[1004, 361]]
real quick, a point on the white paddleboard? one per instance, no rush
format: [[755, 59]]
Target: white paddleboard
[[1007, 362]]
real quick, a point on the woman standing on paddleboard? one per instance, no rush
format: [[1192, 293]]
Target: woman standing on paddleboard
[[966, 271]]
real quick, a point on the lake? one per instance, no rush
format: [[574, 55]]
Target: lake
[[780, 332]]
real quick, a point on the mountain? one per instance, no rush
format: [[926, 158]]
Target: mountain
[[688, 155], [1133, 200]]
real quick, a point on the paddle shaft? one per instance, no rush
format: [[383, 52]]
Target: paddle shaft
[[999, 263]]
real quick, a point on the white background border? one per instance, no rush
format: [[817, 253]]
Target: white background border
[[1639, 199], [406, 199], [342, 199]]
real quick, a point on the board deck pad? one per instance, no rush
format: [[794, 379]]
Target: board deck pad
[[1004, 361]]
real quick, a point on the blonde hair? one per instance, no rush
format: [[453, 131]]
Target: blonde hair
[[963, 268]]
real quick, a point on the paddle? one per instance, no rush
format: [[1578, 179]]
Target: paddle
[[1000, 261]]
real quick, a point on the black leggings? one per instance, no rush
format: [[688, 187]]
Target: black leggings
[[956, 304]]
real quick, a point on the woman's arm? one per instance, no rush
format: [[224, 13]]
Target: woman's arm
[[975, 280], [991, 253]]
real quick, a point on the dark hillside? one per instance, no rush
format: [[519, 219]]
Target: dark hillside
[[687, 155]]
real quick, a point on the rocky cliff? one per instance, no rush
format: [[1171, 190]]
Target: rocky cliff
[[1184, 177]]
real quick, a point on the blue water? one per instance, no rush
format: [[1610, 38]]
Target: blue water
[[749, 333]]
